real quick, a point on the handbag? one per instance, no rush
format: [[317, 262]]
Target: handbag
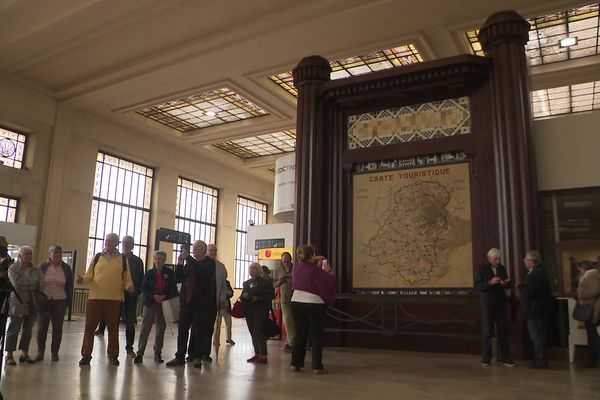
[[170, 309], [583, 312], [270, 328], [239, 309]]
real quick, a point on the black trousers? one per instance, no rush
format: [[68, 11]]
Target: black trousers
[[498, 316], [310, 322], [130, 317], [203, 327], [186, 318], [256, 316], [538, 333]]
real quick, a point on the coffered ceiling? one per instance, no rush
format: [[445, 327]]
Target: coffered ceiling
[[117, 58]]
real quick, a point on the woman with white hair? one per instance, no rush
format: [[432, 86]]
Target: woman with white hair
[[158, 285], [28, 281], [257, 296]]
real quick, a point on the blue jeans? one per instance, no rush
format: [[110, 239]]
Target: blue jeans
[[593, 341]]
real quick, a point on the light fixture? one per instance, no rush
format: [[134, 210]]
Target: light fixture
[[211, 113], [568, 42]]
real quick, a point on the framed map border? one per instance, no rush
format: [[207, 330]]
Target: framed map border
[[432, 160]]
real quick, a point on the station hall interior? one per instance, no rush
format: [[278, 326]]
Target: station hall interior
[[192, 102]]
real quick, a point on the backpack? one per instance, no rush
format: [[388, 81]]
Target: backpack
[[98, 255]]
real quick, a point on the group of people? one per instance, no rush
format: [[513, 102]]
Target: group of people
[[538, 305], [43, 293], [306, 288], [205, 293], [38, 293]]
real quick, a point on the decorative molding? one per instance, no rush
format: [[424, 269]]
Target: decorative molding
[[410, 123], [456, 73]]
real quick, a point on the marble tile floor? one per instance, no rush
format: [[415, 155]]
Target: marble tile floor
[[354, 374]]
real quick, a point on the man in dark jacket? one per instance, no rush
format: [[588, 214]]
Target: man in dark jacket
[[537, 302], [198, 303], [136, 267], [492, 280]]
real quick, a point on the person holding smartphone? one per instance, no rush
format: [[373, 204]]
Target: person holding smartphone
[[314, 290], [492, 281]]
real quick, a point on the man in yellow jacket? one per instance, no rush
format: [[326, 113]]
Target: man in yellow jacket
[[107, 275]]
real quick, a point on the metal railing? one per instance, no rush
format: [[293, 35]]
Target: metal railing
[[80, 296]]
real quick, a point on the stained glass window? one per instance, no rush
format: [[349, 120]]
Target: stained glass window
[[359, 65], [120, 203], [263, 145], [12, 148], [566, 99], [473, 38], [559, 36], [213, 108], [196, 211], [249, 213], [8, 209]]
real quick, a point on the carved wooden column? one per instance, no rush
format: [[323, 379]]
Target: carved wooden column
[[312, 161], [503, 38]]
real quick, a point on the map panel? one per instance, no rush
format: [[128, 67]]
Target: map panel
[[412, 228]]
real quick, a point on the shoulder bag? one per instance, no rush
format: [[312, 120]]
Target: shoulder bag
[[583, 312], [239, 309]]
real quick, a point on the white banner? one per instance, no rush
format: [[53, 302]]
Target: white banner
[[285, 187]]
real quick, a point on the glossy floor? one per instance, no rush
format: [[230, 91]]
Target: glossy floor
[[354, 374]]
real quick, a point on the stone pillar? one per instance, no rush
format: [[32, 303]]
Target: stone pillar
[[312, 159], [503, 38]]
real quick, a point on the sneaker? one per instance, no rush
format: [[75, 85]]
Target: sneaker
[[287, 348], [207, 358], [85, 360], [197, 363], [229, 341], [138, 359], [508, 363], [113, 361], [39, 357], [252, 359], [176, 362], [485, 363], [10, 361], [55, 357], [321, 371], [130, 353], [294, 368], [158, 359]]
